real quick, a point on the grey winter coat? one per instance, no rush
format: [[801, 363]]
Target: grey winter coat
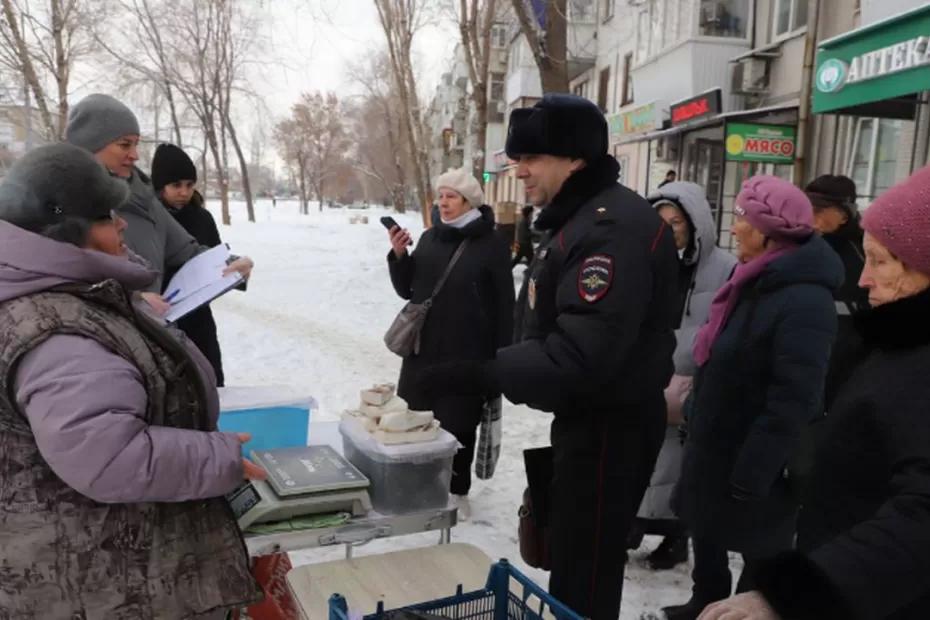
[[712, 268], [128, 479], [153, 234]]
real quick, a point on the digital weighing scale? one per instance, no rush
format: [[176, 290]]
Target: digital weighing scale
[[301, 481]]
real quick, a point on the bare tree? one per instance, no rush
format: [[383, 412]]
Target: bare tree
[[317, 142], [549, 45], [44, 45], [293, 150], [400, 21], [381, 154], [476, 20]]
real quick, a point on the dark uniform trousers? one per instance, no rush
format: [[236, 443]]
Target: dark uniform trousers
[[602, 468]]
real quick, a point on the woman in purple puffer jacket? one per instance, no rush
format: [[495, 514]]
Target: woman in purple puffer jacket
[[112, 472]]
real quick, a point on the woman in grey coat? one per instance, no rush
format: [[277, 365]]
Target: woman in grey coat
[[107, 128], [703, 269]]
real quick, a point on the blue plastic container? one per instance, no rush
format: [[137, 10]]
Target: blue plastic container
[[276, 416], [508, 595]]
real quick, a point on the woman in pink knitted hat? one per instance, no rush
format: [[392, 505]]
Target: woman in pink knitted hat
[[762, 358], [864, 533]]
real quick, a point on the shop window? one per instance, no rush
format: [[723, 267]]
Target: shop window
[[789, 16], [627, 80], [724, 18], [603, 85], [880, 156]]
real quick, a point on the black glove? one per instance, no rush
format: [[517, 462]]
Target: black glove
[[464, 378]]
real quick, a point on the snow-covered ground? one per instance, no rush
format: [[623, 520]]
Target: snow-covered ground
[[314, 316]]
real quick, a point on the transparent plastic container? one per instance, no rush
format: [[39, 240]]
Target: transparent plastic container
[[404, 477]]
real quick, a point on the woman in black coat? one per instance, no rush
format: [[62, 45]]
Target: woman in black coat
[[864, 532], [762, 359], [470, 318], [173, 177]]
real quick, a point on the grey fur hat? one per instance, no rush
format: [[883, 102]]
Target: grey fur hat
[[97, 120], [58, 191]]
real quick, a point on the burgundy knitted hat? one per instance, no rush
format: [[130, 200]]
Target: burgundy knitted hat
[[900, 220], [776, 208]]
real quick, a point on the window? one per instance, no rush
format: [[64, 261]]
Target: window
[[499, 36], [724, 18], [789, 15], [497, 86], [880, 155], [607, 9], [580, 88], [642, 40], [627, 80], [582, 11], [656, 20], [603, 85]]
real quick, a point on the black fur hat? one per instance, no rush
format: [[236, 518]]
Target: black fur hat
[[58, 191], [559, 124]]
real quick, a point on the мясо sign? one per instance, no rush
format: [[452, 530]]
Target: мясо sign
[[772, 144]]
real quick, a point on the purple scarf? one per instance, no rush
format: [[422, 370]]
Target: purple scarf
[[725, 300]]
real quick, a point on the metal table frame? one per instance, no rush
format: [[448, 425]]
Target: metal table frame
[[357, 532]]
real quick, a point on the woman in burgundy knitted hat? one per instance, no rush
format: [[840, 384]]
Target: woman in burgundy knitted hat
[[763, 356], [863, 544]]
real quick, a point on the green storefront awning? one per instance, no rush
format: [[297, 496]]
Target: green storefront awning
[[875, 70]]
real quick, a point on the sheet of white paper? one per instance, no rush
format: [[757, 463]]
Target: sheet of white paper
[[199, 281]]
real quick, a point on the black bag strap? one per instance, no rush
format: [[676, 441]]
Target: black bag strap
[[445, 274]]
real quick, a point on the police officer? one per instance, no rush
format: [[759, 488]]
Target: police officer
[[594, 343]]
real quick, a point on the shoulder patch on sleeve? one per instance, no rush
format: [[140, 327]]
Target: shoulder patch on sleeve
[[595, 277]]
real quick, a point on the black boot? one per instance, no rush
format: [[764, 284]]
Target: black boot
[[672, 551]]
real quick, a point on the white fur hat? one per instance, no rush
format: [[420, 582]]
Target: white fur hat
[[462, 181]]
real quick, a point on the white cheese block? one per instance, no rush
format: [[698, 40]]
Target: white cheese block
[[378, 395], [404, 420], [395, 404]]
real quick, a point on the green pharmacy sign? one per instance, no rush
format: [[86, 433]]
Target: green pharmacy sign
[[882, 61]]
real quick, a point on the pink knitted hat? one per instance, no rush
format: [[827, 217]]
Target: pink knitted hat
[[900, 220], [776, 208]]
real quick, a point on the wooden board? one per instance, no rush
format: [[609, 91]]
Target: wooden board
[[398, 578]]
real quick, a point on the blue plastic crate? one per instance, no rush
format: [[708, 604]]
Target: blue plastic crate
[[276, 416], [497, 601]]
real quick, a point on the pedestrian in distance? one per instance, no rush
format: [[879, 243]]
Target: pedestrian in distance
[[524, 237]]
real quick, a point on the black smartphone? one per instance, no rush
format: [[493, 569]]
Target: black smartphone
[[388, 222]]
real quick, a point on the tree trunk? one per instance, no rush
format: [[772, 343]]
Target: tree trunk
[[28, 69], [220, 174], [243, 169], [554, 75], [62, 68], [304, 207], [224, 176], [550, 54], [175, 122]]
